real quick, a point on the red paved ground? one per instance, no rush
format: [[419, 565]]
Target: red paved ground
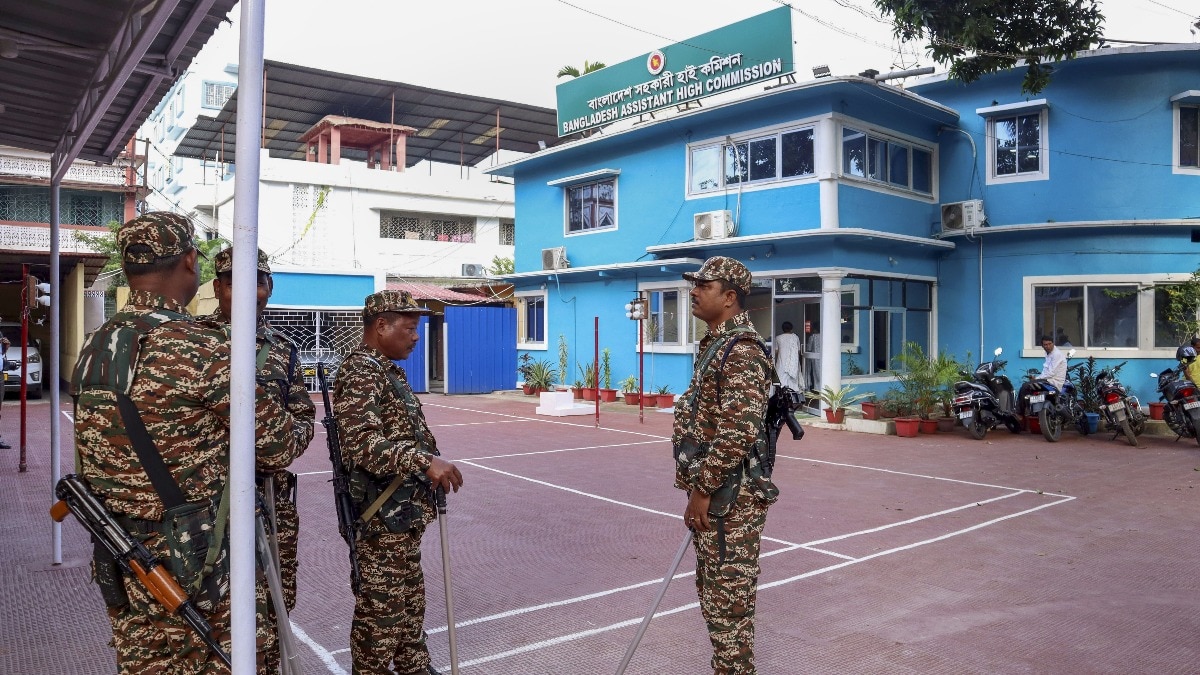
[[937, 554]]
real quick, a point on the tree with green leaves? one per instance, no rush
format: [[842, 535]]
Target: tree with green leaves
[[500, 266], [588, 67], [106, 244], [1181, 307], [977, 37]]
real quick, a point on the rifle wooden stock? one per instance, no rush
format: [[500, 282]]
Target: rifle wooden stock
[[59, 510], [161, 585]]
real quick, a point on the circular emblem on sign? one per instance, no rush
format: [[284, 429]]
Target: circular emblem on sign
[[656, 62]]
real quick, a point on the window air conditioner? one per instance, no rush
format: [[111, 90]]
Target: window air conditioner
[[962, 216], [714, 225], [470, 270], [555, 258]]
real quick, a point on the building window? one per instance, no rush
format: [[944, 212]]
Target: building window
[[217, 93], [531, 319], [1125, 312], [879, 316], [426, 227], [886, 161], [508, 233], [663, 317], [1187, 135], [592, 206], [774, 157], [1017, 147]]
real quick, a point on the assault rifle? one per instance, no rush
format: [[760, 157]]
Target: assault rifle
[[134, 558], [781, 409], [347, 518]]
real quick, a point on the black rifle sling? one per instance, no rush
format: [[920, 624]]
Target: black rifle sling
[[152, 461]]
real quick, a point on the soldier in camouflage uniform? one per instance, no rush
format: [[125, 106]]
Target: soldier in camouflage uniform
[[718, 430], [277, 361], [175, 370], [393, 462]]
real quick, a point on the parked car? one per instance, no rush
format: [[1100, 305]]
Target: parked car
[[12, 361]]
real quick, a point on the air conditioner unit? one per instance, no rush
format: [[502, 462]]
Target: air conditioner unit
[[555, 258], [472, 270], [962, 216], [714, 225]]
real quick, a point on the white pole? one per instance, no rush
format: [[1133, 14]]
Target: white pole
[[244, 321], [56, 305], [831, 330]]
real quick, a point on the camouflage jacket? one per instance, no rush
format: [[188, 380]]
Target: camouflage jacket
[[732, 427], [279, 361], [380, 434], [180, 385]]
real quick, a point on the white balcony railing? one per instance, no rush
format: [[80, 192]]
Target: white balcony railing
[[33, 238], [28, 167]]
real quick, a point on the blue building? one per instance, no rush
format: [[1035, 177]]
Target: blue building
[[959, 217]]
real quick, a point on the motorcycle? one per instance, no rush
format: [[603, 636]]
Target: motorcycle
[[1055, 408], [986, 400], [1181, 411], [1122, 411]]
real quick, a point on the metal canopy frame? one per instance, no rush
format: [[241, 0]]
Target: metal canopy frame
[[451, 128]]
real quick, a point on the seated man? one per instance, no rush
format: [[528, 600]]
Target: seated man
[[1054, 371]]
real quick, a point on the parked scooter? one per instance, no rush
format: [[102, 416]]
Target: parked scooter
[[1181, 411], [1054, 408], [1122, 411], [986, 401]]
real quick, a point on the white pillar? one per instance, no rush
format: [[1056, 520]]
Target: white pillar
[[826, 158], [831, 329]]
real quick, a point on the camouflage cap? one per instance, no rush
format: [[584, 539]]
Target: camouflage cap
[[163, 233], [391, 301], [223, 262], [720, 267]]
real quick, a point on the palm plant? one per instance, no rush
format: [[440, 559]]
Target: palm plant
[[572, 71]]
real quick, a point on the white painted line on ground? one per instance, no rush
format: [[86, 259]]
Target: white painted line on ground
[[471, 424], [814, 549], [315, 473], [906, 473], [325, 656], [535, 419], [694, 605], [916, 518], [548, 452], [68, 415]]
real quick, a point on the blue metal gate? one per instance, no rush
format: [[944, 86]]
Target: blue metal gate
[[414, 365], [481, 349]]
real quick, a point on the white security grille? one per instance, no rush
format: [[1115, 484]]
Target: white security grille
[[508, 233], [319, 336], [426, 227], [310, 226]]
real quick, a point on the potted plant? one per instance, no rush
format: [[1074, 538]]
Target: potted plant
[[526, 362], [607, 393], [663, 398], [1089, 395], [946, 372], [916, 390], [629, 386], [870, 408], [588, 371], [577, 390], [563, 353], [540, 377], [836, 402]]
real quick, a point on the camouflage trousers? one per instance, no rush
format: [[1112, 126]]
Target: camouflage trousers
[[728, 588], [389, 609], [287, 526], [150, 642]]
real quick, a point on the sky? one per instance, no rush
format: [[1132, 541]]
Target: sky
[[512, 49]]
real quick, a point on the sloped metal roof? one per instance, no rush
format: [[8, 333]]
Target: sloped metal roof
[[451, 128], [78, 77], [421, 291]]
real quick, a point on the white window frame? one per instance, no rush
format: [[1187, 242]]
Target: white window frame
[[749, 136], [566, 188], [892, 137], [215, 84], [1145, 284], [521, 326], [683, 311], [1187, 99], [993, 113]]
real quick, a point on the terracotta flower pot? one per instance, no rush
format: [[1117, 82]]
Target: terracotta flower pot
[[870, 410], [664, 400], [946, 423], [928, 426], [632, 398], [589, 393], [908, 427], [1156, 410], [608, 395], [577, 393], [649, 400], [835, 416], [528, 389]]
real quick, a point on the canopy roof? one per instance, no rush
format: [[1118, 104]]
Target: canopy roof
[[450, 128]]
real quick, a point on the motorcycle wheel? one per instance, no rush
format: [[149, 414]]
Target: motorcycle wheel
[[1013, 426], [1128, 431], [1138, 423], [1051, 423], [977, 427]]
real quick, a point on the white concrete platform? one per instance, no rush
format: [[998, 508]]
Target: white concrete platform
[[561, 404]]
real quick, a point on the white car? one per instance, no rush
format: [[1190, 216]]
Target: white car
[[12, 361]]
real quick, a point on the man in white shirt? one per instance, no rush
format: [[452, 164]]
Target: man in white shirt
[[787, 357], [1054, 369]]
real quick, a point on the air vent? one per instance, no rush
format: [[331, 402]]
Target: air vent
[[713, 225], [555, 258], [962, 216]]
